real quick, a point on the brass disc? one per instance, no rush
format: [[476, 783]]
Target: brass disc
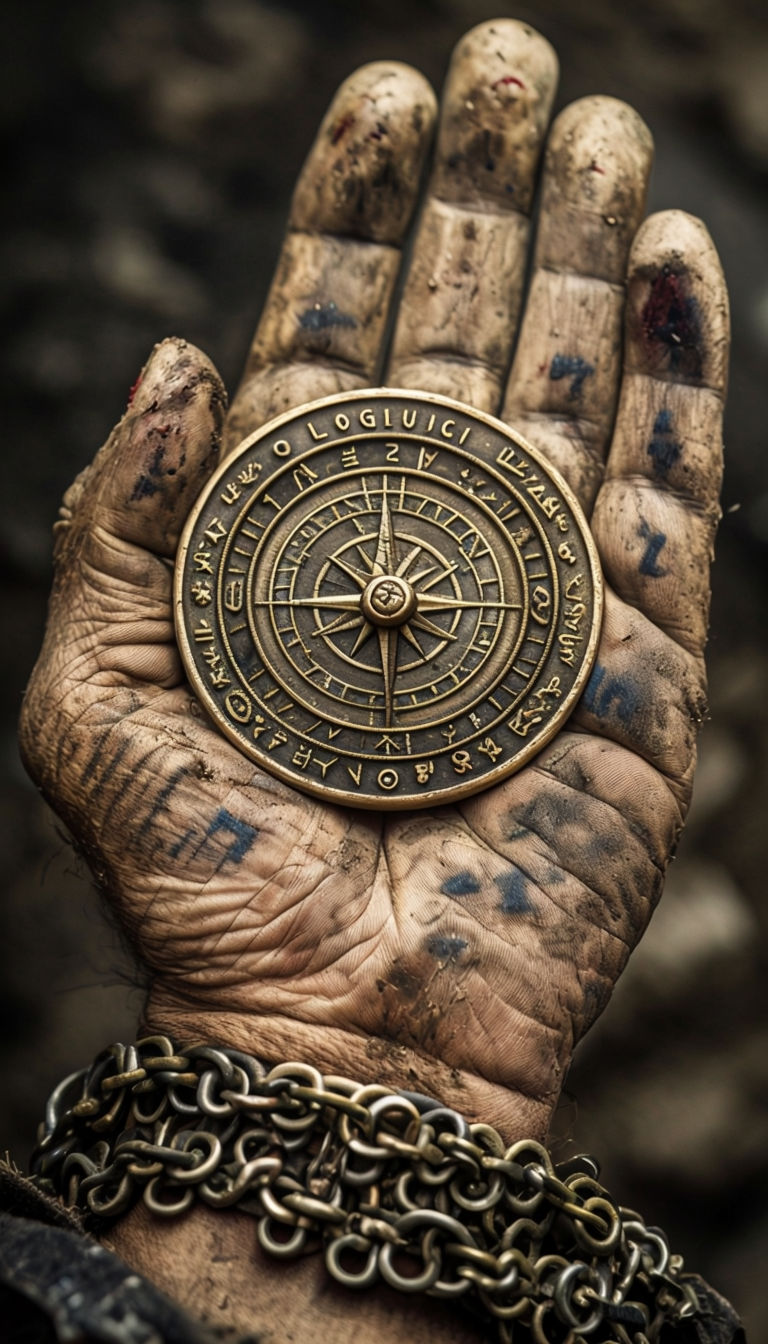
[[387, 599]]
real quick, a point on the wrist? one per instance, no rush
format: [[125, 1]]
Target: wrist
[[397, 1190], [368, 1059], [210, 1260]]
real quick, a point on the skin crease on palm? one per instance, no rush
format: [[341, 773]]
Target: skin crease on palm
[[462, 951]]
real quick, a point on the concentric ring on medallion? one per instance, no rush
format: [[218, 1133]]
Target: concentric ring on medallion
[[387, 599]]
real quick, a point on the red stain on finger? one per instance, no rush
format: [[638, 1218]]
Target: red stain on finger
[[595, 168], [134, 389], [671, 322], [342, 126], [507, 80]]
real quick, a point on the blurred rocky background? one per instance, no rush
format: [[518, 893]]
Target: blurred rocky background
[[150, 150]]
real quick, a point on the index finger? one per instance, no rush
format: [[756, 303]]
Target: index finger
[[323, 324]]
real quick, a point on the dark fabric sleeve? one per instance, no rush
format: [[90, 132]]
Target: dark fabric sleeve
[[59, 1285]]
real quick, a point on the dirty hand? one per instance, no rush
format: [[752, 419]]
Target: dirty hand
[[461, 952]]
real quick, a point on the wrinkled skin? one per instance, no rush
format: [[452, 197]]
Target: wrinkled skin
[[461, 951]]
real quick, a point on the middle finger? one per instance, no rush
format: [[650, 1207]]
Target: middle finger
[[462, 295]]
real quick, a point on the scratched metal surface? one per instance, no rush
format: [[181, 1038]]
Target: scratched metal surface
[[147, 178]]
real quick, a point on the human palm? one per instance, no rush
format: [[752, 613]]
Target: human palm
[[461, 950]]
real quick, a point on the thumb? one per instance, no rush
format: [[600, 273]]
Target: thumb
[[142, 483], [109, 637]]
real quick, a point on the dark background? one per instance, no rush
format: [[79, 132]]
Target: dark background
[[150, 150]]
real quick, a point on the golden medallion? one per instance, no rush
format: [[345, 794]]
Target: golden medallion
[[387, 599]]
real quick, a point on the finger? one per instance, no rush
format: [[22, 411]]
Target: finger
[[656, 513], [121, 520], [462, 296], [143, 481], [323, 323], [564, 382], [647, 694]]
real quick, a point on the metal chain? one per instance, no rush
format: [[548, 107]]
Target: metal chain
[[393, 1186]]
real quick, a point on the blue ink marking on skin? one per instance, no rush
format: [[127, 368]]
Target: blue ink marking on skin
[[461, 884], [176, 849], [663, 450], [514, 893], [110, 769], [146, 487], [612, 694], [94, 760], [445, 949], [573, 367], [161, 799], [321, 316], [243, 833], [656, 541]]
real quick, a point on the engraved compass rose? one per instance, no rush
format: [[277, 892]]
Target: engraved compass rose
[[387, 599], [391, 596]]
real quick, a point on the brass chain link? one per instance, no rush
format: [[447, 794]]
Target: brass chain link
[[394, 1186]]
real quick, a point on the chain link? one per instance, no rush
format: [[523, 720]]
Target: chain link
[[393, 1186]]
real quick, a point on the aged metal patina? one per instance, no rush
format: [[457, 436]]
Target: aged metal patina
[[387, 599]]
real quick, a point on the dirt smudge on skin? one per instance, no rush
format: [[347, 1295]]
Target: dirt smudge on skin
[[446, 947], [322, 316], [408, 984]]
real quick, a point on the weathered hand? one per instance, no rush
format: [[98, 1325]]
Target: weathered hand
[[463, 951]]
